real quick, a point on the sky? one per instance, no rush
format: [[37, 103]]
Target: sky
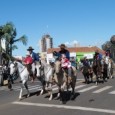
[[88, 22]]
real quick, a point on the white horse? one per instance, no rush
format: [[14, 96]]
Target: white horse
[[24, 75], [44, 74], [47, 73]]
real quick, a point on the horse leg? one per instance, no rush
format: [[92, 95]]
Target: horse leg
[[59, 91], [43, 84], [73, 83], [26, 86], [21, 90], [50, 92], [97, 79], [9, 82], [87, 77], [91, 76], [63, 86]]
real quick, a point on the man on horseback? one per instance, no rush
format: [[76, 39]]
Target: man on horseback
[[35, 58], [98, 66], [28, 63], [64, 56], [97, 55], [64, 51]]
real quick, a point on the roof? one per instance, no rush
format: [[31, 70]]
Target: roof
[[78, 49]]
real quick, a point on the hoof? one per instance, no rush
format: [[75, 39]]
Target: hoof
[[50, 98], [28, 95], [41, 93], [58, 95], [96, 83]]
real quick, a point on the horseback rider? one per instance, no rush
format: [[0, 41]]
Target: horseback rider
[[64, 51], [64, 56], [27, 61], [97, 55], [35, 57]]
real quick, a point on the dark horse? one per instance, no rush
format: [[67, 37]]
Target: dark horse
[[97, 69]]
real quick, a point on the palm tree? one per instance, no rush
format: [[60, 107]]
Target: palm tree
[[10, 38]]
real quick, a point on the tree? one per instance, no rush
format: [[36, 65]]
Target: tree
[[112, 39], [1, 34], [106, 45], [10, 33]]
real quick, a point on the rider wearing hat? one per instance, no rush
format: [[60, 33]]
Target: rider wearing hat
[[34, 56], [64, 51], [27, 61], [64, 56]]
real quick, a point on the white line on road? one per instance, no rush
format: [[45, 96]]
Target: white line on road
[[87, 89], [66, 107], [77, 87], [113, 92], [102, 89]]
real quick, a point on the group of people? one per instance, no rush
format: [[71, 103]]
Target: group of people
[[33, 58], [101, 66], [66, 62]]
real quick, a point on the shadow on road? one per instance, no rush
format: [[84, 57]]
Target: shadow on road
[[65, 96]]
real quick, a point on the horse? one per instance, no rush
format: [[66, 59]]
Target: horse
[[24, 75], [62, 79], [98, 69], [46, 75], [86, 70]]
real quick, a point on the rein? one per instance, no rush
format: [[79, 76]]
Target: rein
[[48, 70], [22, 70]]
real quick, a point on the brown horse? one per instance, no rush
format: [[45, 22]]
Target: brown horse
[[97, 69], [62, 80]]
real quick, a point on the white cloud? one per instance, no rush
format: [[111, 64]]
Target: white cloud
[[73, 43]]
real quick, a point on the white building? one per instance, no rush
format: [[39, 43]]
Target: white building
[[45, 43]]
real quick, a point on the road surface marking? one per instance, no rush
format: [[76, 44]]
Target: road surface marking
[[87, 89], [66, 107], [112, 92], [30, 87], [102, 89]]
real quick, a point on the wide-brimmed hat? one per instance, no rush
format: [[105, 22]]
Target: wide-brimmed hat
[[63, 45], [30, 48]]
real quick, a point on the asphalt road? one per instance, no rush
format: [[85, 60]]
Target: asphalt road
[[90, 99]]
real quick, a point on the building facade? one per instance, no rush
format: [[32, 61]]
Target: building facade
[[77, 52], [46, 42]]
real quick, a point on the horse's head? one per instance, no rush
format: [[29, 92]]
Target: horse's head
[[13, 68]]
